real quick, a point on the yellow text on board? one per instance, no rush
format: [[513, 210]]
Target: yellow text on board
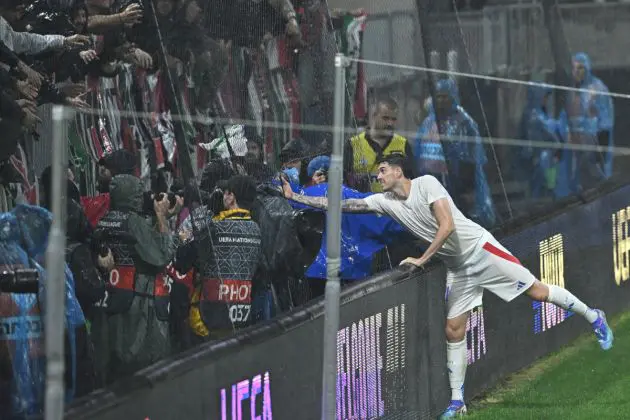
[[621, 245]]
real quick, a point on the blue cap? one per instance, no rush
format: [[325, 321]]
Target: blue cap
[[317, 164]]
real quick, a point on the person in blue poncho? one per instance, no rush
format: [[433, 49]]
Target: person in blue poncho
[[23, 241], [538, 166], [458, 158], [362, 235], [590, 116]]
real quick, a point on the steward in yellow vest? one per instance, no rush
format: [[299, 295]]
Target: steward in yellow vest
[[365, 154], [363, 150]]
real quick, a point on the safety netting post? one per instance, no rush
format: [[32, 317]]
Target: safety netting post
[[333, 243], [55, 268]]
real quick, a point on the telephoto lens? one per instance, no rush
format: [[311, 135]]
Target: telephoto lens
[[20, 280]]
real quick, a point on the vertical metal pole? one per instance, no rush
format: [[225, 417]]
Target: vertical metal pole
[[55, 264], [333, 243], [559, 48]]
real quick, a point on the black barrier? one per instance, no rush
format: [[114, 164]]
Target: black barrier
[[388, 350], [391, 343]]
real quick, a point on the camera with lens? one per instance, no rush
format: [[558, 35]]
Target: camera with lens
[[19, 280]]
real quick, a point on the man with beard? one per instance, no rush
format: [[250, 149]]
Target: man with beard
[[254, 158], [133, 329], [379, 139]]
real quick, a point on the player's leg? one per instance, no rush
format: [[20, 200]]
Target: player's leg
[[563, 298], [456, 363], [462, 295], [504, 276], [456, 356]]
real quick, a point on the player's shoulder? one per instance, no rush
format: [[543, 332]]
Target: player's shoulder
[[425, 180]]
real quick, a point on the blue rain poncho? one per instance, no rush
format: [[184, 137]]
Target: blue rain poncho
[[430, 151], [362, 235], [535, 164], [589, 114], [23, 241]]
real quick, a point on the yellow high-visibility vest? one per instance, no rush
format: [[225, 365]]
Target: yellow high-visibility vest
[[364, 157]]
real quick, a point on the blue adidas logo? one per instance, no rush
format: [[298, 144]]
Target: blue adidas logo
[[520, 285]]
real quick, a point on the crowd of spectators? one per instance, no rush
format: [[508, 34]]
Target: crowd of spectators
[[159, 263], [155, 264]]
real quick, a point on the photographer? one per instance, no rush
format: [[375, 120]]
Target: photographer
[[132, 330], [225, 252]]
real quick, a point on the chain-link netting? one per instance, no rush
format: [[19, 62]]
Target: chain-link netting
[[178, 231]]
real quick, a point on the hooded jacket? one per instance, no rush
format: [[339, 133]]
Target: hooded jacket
[[118, 162], [532, 163], [536, 123], [23, 240], [136, 302], [438, 156], [590, 112]]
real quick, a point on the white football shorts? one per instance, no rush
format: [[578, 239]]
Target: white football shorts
[[490, 267]]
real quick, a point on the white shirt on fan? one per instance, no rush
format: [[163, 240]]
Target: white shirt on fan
[[415, 215]]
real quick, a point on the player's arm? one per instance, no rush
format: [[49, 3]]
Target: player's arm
[[353, 205], [442, 212]]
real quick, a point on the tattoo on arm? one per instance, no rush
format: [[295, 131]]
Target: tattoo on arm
[[354, 205], [349, 206], [317, 202]]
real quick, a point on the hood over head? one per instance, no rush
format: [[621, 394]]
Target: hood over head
[[536, 94], [584, 59], [450, 87], [126, 193]]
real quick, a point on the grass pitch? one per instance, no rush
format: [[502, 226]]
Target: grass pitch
[[578, 382]]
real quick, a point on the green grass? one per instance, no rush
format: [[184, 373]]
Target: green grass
[[578, 382]]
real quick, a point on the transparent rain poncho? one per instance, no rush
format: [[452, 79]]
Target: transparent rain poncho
[[23, 240]]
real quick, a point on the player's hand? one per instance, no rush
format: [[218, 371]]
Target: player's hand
[[286, 188], [418, 262]]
